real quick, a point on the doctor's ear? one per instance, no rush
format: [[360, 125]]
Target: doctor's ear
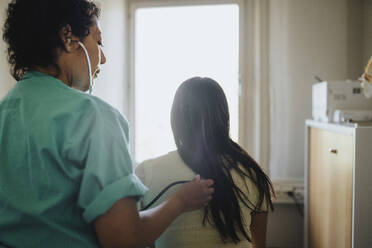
[[70, 42]]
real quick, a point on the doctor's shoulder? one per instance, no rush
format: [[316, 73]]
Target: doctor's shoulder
[[93, 105]]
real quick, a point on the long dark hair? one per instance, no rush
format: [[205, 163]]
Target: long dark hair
[[200, 124]]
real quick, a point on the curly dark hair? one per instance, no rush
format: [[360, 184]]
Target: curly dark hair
[[32, 30]]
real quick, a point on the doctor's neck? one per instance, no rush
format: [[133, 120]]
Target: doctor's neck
[[54, 72]]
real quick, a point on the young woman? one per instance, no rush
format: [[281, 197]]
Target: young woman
[[237, 214]]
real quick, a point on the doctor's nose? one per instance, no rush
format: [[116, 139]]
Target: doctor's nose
[[103, 57]]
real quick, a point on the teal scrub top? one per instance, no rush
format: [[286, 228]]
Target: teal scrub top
[[64, 161]]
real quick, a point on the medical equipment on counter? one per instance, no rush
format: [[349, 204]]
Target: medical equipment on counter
[[343, 101], [352, 116], [344, 96]]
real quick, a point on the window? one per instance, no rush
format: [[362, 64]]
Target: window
[[172, 44]]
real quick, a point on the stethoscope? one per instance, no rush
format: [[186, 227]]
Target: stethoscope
[[89, 65], [162, 192]]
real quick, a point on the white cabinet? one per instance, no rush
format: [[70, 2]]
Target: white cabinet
[[338, 185]]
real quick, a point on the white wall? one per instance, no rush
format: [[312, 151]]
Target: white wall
[[355, 38], [6, 80], [285, 227], [367, 30], [111, 84], [307, 38]]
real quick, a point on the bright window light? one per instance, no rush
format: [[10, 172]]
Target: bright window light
[[173, 44]]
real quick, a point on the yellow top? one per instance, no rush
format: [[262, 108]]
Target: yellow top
[[187, 230]]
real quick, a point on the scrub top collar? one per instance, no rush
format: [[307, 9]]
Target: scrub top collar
[[46, 78]]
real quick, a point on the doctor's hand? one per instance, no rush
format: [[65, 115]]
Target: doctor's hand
[[195, 194]]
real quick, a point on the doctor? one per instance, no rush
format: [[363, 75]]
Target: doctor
[[66, 176]]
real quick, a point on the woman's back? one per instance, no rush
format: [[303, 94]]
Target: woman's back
[[188, 230]]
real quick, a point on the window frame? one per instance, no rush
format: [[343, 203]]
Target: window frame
[[253, 125]]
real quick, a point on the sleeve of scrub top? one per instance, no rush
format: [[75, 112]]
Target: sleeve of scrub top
[[141, 174], [108, 174]]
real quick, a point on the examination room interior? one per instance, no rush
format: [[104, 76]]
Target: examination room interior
[[267, 55]]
